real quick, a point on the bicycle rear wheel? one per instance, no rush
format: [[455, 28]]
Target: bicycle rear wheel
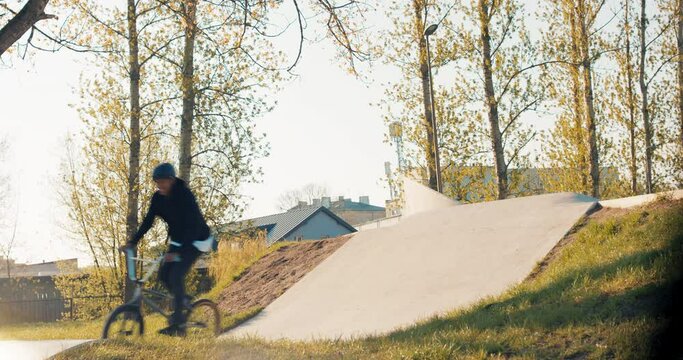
[[124, 322], [203, 319]]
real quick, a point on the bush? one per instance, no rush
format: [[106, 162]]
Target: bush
[[94, 293]]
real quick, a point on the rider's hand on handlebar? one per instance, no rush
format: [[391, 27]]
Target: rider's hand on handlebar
[[126, 247], [171, 257]]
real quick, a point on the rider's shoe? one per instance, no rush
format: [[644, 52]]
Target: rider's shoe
[[173, 330]]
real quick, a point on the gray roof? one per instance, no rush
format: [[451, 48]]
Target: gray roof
[[349, 205], [280, 225]]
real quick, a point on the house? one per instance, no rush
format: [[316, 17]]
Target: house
[[353, 212], [50, 268], [305, 223]]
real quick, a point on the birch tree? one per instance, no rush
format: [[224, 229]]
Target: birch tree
[[237, 32], [407, 100], [655, 59], [574, 39], [501, 60], [623, 100]]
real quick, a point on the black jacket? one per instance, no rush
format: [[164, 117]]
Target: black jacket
[[180, 211]]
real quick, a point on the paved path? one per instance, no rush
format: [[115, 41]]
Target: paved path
[[429, 263], [34, 349]]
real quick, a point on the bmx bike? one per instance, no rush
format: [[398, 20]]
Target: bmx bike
[[125, 321]]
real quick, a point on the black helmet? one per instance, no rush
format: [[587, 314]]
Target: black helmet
[[163, 171]]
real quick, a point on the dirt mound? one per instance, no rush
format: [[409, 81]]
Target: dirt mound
[[276, 272]]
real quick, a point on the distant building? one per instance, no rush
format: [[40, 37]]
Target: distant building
[[50, 268], [353, 212], [299, 223]]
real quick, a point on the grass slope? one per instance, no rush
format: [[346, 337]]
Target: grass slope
[[602, 296]]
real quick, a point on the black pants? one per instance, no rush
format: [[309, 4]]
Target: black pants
[[172, 275]]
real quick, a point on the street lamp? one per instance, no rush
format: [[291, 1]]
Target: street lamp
[[439, 186]]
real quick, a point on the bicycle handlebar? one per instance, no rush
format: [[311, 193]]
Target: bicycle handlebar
[[130, 265]]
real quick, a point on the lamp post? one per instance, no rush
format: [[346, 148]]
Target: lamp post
[[439, 186]]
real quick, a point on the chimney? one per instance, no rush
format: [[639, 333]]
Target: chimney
[[364, 200], [325, 201], [341, 197], [302, 204], [316, 202]]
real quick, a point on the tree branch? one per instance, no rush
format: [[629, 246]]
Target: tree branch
[[29, 15]]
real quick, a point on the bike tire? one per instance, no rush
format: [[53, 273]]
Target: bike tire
[[203, 319], [129, 313]]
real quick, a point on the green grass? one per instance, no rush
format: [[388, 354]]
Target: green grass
[[92, 329], [601, 297], [57, 330]]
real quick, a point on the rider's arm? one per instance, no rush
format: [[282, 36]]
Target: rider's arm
[[146, 223]]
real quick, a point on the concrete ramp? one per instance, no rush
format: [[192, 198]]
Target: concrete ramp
[[418, 198], [429, 263], [639, 200]]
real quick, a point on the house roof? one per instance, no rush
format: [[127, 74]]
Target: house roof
[[281, 225], [349, 205]]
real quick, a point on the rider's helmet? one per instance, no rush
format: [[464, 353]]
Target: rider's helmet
[[163, 171]]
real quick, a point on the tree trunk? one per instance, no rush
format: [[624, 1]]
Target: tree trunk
[[426, 99], [631, 103], [189, 12], [576, 102], [496, 136], [588, 103], [134, 156], [644, 108], [29, 15], [680, 70]]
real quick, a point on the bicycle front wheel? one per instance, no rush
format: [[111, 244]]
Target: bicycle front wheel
[[203, 319], [124, 322]]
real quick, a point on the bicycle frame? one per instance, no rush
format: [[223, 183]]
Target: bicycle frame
[[138, 295]]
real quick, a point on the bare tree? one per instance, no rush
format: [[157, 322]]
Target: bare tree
[[307, 193], [8, 245]]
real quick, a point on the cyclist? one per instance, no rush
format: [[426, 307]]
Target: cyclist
[[177, 206]]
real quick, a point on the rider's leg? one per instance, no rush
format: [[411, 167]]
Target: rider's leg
[[176, 279], [163, 274]]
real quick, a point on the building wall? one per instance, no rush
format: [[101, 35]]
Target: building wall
[[320, 226], [359, 217], [59, 267]]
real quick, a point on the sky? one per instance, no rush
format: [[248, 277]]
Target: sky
[[322, 131]]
